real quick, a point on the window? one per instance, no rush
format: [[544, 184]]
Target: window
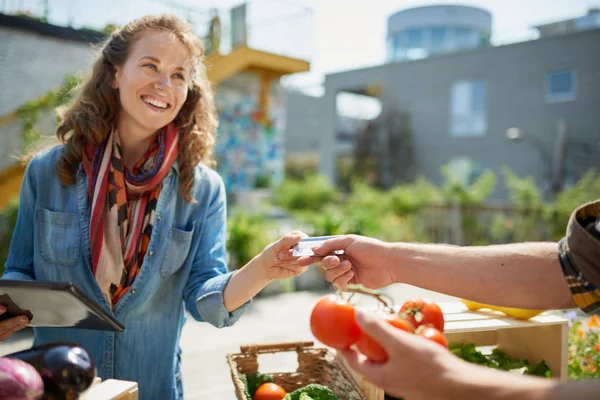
[[438, 39], [561, 86], [468, 108]]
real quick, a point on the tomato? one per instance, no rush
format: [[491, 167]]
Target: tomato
[[269, 391], [432, 334], [373, 350], [332, 322], [423, 312]]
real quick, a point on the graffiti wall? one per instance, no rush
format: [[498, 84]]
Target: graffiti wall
[[250, 143]]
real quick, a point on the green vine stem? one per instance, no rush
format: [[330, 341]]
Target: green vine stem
[[386, 300], [31, 112]]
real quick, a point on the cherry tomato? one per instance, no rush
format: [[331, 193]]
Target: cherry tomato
[[432, 334], [373, 350], [423, 312], [269, 391], [332, 322]]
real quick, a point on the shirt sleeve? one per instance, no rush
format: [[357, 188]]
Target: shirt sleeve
[[208, 278], [579, 255], [19, 264]]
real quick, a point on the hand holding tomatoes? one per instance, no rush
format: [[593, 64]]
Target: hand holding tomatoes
[[333, 322], [415, 368]]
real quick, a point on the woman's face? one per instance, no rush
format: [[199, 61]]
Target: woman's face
[[153, 83]]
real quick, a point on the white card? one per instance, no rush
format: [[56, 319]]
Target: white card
[[304, 247]]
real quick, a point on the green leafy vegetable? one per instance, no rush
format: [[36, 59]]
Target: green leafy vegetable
[[499, 359], [313, 391]]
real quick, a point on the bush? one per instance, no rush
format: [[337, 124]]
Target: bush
[[301, 166], [558, 213], [312, 193], [8, 222], [247, 237]]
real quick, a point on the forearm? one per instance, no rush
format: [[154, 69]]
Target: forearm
[[475, 382], [245, 284], [482, 383], [525, 275]]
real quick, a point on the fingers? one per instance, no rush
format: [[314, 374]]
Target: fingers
[[330, 262], [342, 282], [389, 337], [334, 273], [290, 240], [308, 260], [12, 325], [360, 363], [336, 243]]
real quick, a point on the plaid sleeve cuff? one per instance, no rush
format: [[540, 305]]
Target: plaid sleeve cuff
[[585, 294]]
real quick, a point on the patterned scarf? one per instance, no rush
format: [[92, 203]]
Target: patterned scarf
[[123, 205]]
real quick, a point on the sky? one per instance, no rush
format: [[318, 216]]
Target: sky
[[351, 35], [342, 34]]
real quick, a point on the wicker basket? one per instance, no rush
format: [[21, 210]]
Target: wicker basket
[[315, 365]]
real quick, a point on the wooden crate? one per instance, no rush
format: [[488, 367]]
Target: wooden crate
[[111, 389], [544, 337]]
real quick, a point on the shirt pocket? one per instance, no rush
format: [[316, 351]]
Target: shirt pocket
[[178, 248], [59, 237]]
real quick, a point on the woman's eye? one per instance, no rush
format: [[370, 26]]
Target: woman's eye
[[179, 76], [151, 66]]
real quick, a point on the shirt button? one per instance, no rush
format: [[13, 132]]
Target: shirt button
[[170, 173], [159, 217], [150, 253], [132, 291]]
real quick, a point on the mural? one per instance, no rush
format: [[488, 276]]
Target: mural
[[250, 144]]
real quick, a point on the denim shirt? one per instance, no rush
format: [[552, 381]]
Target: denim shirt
[[185, 264]]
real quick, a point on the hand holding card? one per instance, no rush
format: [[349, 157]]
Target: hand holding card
[[305, 246]]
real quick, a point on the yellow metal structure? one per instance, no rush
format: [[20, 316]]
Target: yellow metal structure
[[242, 59]]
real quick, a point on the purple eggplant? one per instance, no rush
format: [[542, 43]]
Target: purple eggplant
[[66, 368]]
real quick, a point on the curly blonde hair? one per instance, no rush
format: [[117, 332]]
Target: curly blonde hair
[[94, 112]]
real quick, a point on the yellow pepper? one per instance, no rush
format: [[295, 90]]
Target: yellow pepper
[[519, 313]]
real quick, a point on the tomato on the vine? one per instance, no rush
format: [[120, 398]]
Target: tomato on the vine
[[373, 350], [423, 312], [333, 322], [432, 334], [269, 391]]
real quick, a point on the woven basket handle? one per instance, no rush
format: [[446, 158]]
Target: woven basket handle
[[275, 347]]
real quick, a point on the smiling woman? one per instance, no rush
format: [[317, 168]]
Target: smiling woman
[[128, 209]]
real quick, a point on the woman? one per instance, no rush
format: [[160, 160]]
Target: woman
[[128, 209]]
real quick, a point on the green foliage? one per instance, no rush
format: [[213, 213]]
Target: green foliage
[[262, 182], [253, 382], [313, 391], [8, 221], [31, 112], [584, 348], [409, 198], [312, 193], [247, 237], [585, 190], [455, 191], [301, 166], [498, 359], [523, 192]]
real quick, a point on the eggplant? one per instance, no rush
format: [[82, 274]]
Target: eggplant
[[66, 368], [19, 380]]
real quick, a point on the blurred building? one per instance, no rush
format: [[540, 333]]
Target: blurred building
[[245, 66], [449, 100], [424, 31]]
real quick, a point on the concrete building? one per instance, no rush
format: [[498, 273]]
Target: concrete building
[[520, 105], [424, 31]]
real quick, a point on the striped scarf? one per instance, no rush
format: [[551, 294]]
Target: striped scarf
[[123, 205]]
